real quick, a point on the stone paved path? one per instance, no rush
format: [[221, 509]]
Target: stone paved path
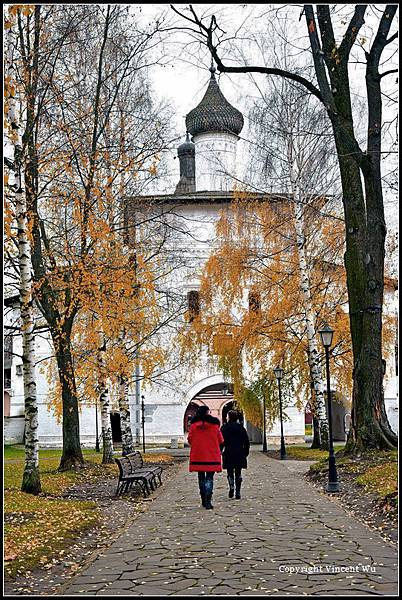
[[282, 538]]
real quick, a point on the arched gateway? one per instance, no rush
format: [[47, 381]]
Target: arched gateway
[[219, 399]]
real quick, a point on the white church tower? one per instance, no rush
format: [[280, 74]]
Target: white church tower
[[215, 126]]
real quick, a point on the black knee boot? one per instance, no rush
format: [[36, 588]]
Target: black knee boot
[[238, 486], [209, 488], [208, 498], [231, 486], [202, 492]]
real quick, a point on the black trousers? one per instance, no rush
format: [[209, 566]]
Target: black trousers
[[234, 472]]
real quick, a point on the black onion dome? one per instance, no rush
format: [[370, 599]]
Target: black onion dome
[[187, 147], [214, 113]]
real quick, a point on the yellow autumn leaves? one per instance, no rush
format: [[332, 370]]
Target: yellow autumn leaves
[[256, 253]]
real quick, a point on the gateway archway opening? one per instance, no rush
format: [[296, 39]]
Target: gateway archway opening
[[216, 397]]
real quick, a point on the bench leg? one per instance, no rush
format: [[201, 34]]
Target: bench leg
[[140, 484]]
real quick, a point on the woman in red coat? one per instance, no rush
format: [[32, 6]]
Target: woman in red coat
[[205, 439]]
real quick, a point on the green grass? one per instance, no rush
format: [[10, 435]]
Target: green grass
[[14, 452], [296, 452], [305, 453], [381, 479], [39, 529], [376, 471]]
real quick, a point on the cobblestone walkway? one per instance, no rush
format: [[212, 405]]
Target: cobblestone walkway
[[282, 538]]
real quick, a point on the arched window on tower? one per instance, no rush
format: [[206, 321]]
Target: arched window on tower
[[254, 302], [193, 304]]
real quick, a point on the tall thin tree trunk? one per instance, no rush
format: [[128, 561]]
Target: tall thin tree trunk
[[104, 402], [31, 478], [124, 408], [318, 400], [107, 439], [369, 422], [364, 216]]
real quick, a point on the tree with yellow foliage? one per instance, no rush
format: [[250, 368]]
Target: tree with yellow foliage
[[75, 66], [257, 260]]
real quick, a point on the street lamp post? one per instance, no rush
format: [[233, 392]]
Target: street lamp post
[[326, 334], [279, 374], [264, 441], [143, 422], [137, 402], [97, 449]]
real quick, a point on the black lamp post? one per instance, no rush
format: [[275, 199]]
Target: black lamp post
[[279, 374], [326, 334], [143, 422], [264, 441], [97, 449]]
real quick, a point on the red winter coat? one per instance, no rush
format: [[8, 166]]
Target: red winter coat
[[205, 438]]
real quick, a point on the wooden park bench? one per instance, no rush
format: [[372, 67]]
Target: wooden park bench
[[132, 471]]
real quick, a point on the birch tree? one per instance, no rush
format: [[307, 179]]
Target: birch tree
[[104, 403], [294, 152], [31, 479]]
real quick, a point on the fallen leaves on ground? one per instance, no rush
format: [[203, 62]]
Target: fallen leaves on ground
[[381, 479], [368, 488], [53, 523], [50, 536]]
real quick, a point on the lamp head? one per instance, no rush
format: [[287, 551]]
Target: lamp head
[[278, 373], [326, 334]]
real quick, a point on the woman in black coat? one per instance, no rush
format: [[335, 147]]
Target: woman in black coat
[[236, 450]]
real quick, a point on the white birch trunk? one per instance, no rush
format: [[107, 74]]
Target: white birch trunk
[[318, 400], [124, 408], [31, 478], [125, 414], [104, 403]]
